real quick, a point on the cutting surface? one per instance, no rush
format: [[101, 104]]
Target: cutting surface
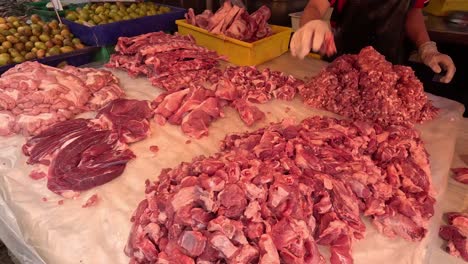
[[37, 230]]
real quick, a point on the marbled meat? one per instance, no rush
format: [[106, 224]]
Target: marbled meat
[[367, 87], [79, 154], [273, 195], [34, 96]]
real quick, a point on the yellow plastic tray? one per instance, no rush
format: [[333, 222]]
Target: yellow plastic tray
[[442, 7], [240, 52]]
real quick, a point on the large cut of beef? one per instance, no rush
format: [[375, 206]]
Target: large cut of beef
[[273, 195], [456, 234], [171, 62], [79, 154], [367, 87], [34, 96], [234, 21]]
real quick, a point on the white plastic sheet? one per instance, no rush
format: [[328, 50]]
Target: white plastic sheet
[[40, 231]]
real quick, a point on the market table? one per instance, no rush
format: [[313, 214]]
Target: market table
[[40, 231]]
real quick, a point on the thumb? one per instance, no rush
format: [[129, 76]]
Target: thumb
[[434, 65]]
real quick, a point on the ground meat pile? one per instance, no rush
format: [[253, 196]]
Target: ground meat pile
[[367, 87], [273, 195], [34, 96]]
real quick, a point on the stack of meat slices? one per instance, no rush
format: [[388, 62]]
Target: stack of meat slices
[[79, 154]]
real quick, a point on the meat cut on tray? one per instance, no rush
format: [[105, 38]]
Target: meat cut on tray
[[34, 96], [79, 154], [234, 21], [275, 194], [367, 87]]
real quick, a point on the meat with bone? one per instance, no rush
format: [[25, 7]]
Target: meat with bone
[[79, 154], [272, 195], [367, 87], [234, 22], [34, 96], [461, 175], [456, 234], [171, 62]]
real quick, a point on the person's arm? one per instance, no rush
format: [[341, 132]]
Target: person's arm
[[415, 27], [314, 10]]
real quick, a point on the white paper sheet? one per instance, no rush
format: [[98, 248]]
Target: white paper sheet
[[46, 232]]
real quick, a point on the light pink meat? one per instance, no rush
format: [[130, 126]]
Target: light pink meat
[[38, 96], [248, 113], [234, 21]]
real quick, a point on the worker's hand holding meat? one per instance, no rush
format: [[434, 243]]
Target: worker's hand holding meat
[[315, 35], [437, 61]]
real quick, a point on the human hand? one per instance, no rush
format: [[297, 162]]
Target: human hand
[[316, 35], [437, 61]]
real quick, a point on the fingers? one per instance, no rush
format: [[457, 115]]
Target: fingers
[[294, 44], [319, 37], [306, 39], [447, 64], [434, 65]]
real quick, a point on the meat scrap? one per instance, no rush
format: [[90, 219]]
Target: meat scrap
[[34, 96], [456, 234], [234, 22], [169, 61], [461, 175], [91, 201], [367, 87], [79, 154], [273, 195]]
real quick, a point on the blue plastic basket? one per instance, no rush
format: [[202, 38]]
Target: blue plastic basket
[[74, 58], [107, 34]]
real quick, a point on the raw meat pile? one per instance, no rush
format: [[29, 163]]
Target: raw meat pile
[[456, 234], [272, 195], [171, 62], [367, 87], [79, 154], [194, 108], [461, 175], [233, 21], [34, 96]]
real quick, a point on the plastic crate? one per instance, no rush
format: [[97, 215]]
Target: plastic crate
[[443, 7], [241, 52], [74, 58], [108, 34]]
